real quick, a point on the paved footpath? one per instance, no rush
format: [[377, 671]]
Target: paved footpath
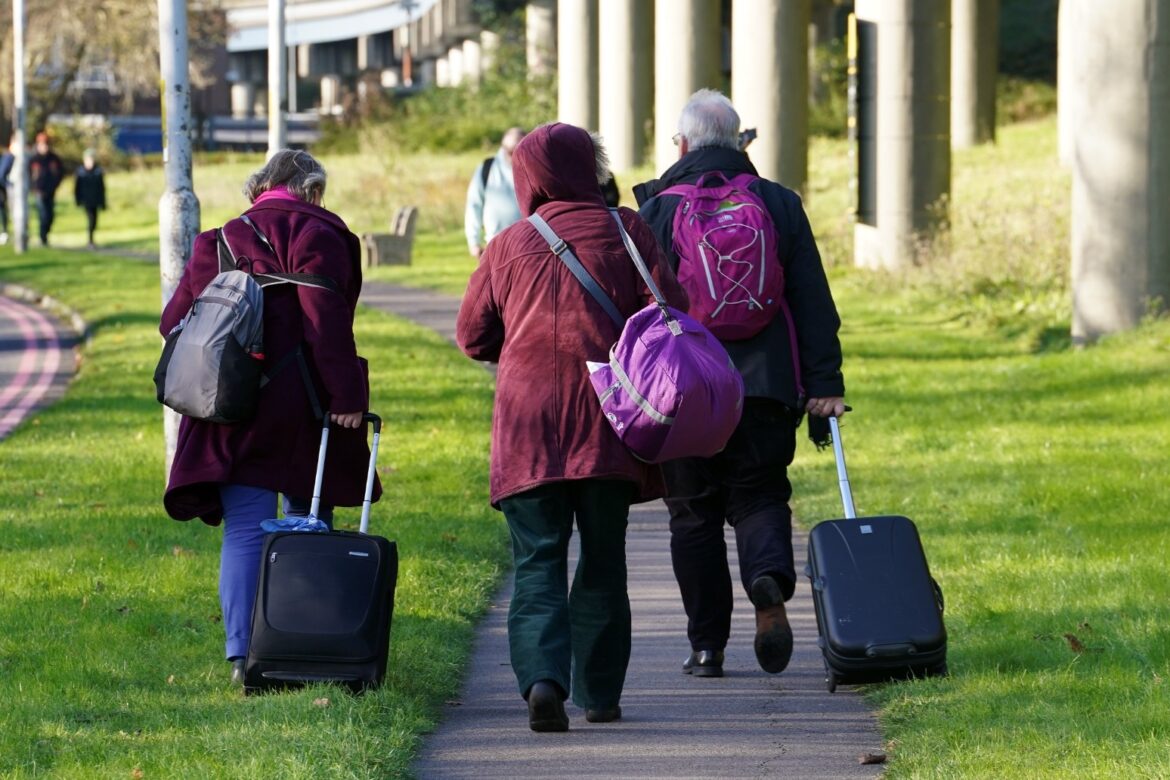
[[36, 360], [746, 724]]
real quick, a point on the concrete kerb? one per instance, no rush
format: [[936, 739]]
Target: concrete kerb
[[50, 304]]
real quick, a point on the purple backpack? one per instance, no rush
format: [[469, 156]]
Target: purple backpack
[[669, 389], [728, 255]]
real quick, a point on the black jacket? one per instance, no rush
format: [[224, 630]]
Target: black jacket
[[765, 360], [45, 173], [89, 188]]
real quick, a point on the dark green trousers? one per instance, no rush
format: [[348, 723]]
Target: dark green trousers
[[578, 638]]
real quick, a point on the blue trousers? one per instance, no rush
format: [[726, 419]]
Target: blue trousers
[[579, 638], [244, 508]]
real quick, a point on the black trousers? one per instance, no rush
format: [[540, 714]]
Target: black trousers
[[746, 486], [91, 215], [46, 211]]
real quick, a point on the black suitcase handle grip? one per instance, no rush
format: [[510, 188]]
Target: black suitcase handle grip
[[374, 420]]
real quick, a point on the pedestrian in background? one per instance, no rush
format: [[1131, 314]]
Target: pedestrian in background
[[7, 160], [491, 196], [554, 457], [89, 191], [746, 485], [45, 174]]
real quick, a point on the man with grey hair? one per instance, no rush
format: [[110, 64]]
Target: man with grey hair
[[491, 195], [789, 367]]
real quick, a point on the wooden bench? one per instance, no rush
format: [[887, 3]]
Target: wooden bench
[[393, 248]]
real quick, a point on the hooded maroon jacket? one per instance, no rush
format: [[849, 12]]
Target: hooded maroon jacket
[[524, 309], [277, 449]]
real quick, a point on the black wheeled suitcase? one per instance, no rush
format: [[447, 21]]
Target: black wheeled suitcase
[[324, 601], [879, 612]]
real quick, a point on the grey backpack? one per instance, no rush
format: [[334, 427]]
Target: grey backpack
[[212, 364]]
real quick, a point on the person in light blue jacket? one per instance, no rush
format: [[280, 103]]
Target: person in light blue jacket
[[491, 196]]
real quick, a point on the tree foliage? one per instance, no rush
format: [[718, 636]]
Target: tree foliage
[[65, 38]]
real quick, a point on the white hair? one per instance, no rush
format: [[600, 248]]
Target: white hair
[[600, 158], [709, 119]]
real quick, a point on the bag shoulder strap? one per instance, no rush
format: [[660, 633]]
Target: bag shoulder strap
[[561, 250], [231, 262], [640, 264], [486, 170]]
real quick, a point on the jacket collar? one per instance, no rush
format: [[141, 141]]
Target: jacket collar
[[285, 205], [692, 165]]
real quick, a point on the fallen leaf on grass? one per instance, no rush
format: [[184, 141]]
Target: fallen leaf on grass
[[137, 773], [170, 679], [181, 552], [450, 538], [322, 703], [871, 758], [1074, 644]]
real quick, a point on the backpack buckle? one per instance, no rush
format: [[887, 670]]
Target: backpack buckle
[[559, 247]]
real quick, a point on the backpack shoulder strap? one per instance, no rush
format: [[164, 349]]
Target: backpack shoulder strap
[[268, 280], [486, 170]]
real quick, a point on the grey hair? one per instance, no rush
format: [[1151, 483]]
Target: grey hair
[[709, 119], [600, 158], [294, 169]]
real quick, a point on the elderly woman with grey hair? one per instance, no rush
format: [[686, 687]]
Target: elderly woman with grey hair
[[232, 473]]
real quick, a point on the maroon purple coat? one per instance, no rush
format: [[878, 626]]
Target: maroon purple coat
[[524, 309], [277, 449]]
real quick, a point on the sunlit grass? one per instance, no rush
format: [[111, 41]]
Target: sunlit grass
[[110, 638], [1034, 471]]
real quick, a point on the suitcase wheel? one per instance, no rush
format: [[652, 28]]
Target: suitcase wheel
[[940, 670], [831, 681]]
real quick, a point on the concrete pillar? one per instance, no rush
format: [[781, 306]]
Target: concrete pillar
[[540, 22], [687, 51], [626, 76], [912, 146], [769, 84], [243, 99], [424, 73], [330, 93], [455, 65], [472, 61], [489, 43], [577, 62], [822, 18], [1121, 167], [974, 64]]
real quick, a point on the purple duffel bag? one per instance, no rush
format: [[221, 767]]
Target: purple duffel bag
[[669, 389]]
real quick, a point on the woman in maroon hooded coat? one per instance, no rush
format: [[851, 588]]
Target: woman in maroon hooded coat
[[554, 457], [233, 472]]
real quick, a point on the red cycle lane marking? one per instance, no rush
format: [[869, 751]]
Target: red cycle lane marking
[[35, 327]]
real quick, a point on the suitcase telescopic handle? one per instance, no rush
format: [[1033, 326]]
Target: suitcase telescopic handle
[[842, 474], [371, 470]]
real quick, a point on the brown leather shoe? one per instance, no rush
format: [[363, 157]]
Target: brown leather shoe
[[546, 708], [773, 643]]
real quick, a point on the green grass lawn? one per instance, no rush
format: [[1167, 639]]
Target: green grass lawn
[[110, 640], [1034, 471]]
